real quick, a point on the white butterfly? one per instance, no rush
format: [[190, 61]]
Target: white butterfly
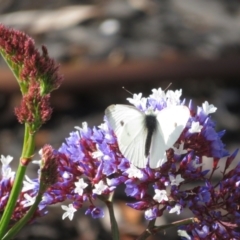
[[141, 135]]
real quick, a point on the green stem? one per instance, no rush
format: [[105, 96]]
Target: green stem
[[174, 224], [148, 230], [14, 69], [27, 152], [29, 144], [151, 230], [114, 225], [22, 222]]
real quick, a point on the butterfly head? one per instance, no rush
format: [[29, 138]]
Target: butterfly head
[[150, 111]]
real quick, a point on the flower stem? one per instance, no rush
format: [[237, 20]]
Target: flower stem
[[18, 226], [27, 152], [14, 68], [148, 230], [114, 225], [154, 229]]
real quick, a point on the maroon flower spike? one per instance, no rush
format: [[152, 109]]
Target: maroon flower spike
[[36, 73], [49, 164], [34, 108], [27, 63], [14, 44]]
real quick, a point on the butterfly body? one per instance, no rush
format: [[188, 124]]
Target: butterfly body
[[141, 135], [150, 125]]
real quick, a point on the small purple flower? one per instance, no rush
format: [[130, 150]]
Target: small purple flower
[[203, 232], [204, 195], [151, 213], [96, 212]]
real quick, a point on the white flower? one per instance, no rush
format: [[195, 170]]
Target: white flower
[[176, 180], [160, 195], [134, 172], [176, 208], [98, 153], [100, 187], [138, 101], [70, 210], [29, 184], [183, 233], [148, 213], [195, 128], [80, 185], [84, 127], [158, 94], [180, 150], [66, 175], [136, 98], [7, 173], [207, 109], [104, 127], [29, 201], [173, 98], [6, 160]]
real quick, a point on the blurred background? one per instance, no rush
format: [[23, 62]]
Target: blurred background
[[103, 45]]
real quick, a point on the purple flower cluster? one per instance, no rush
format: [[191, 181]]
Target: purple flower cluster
[[91, 165], [89, 160], [92, 157], [216, 206]]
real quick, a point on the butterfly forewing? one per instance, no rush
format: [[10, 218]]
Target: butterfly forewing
[[158, 148], [128, 125], [172, 121], [135, 150]]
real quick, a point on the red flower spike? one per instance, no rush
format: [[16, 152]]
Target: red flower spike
[[27, 63], [49, 165], [34, 108]]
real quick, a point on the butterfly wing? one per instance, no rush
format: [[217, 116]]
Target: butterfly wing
[[157, 149], [171, 123], [128, 123]]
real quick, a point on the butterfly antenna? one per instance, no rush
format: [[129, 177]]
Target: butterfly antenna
[[167, 86], [127, 90]]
